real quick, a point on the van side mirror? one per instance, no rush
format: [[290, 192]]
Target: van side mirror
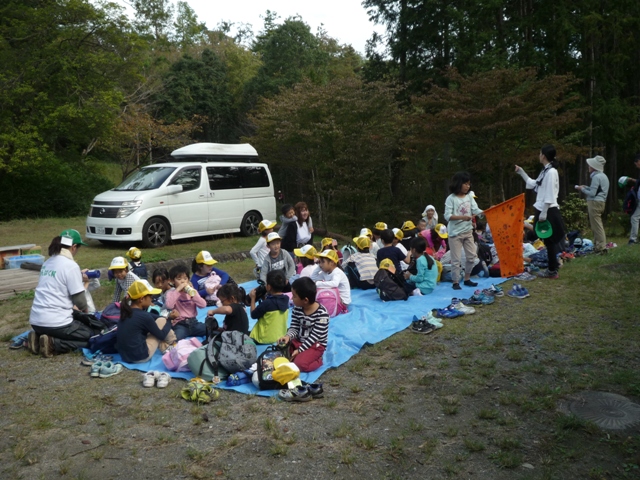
[[171, 189]]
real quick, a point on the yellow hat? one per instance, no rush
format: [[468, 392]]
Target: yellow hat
[[273, 236], [279, 361], [326, 242], [206, 258], [387, 264], [408, 225], [286, 372], [380, 226], [330, 254], [265, 225], [441, 230], [134, 253], [118, 263], [141, 288], [366, 232], [362, 242], [307, 251], [398, 233]]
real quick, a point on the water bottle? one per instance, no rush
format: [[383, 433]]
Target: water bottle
[[92, 274]]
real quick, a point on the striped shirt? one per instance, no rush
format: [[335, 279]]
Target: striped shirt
[[123, 285], [366, 264], [309, 329]]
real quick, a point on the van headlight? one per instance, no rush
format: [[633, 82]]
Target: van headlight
[[128, 208]]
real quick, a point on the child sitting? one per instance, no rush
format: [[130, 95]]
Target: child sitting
[[361, 267], [202, 268], [136, 265], [277, 260], [332, 244], [377, 232], [306, 257], [139, 332], [234, 311], [398, 238], [186, 300], [309, 330], [327, 274], [391, 252], [430, 217], [409, 232], [436, 240], [124, 278], [390, 285], [373, 247], [161, 281], [260, 250], [426, 278], [273, 312]]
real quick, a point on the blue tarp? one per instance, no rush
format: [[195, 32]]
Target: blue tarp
[[368, 321]]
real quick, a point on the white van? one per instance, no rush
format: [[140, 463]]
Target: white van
[[209, 189]]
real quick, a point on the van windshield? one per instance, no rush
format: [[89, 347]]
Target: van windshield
[[146, 179]]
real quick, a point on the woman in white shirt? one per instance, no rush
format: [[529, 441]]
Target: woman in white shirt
[[304, 223], [547, 187]]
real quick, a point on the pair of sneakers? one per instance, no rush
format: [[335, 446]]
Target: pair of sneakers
[[91, 358], [483, 298], [105, 370], [154, 377], [422, 326], [448, 312], [303, 393], [461, 307], [518, 291]]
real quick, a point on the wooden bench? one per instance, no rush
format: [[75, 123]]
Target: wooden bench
[[17, 280]]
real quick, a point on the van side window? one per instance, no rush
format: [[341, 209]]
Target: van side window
[[253, 177], [223, 178], [189, 178]]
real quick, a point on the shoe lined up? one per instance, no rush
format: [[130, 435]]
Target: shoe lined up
[[302, 393]]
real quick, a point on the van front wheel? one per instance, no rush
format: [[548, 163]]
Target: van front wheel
[[155, 233], [250, 222]]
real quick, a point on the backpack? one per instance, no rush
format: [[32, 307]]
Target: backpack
[[352, 273], [266, 368], [347, 251], [227, 352], [391, 287], [111, 313], [484, 253], [105, 341], [329, 298], [176, 358], [630, 202]]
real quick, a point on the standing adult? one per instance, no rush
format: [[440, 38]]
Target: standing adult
[[59, 290], [305, 224], [596, 200], [547, 187], [635, 217]]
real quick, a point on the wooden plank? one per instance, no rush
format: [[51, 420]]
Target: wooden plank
[[17, 280]]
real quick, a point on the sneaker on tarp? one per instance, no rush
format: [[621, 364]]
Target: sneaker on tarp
[[297, 394]]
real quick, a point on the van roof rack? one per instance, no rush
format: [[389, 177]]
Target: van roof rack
[[215, 152]]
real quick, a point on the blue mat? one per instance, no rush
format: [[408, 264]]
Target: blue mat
[[368, 321]]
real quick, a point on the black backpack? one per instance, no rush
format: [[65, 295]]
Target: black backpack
[[630, 202], [266, 368], [391, 286]]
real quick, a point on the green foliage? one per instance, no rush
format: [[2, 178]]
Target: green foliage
[[574, 213]]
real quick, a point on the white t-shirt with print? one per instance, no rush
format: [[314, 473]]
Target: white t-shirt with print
[[60, 279]]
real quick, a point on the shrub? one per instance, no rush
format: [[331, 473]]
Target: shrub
[[574, 213]]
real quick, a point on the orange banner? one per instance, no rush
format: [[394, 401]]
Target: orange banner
[[506, 223]]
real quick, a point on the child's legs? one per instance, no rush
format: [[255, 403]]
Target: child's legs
[[310, 359], [469, 253], [455, 246], [154, 343], [196, 328], [181, 331]]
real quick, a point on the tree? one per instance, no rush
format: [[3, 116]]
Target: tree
[[153, 17], [334, 145], [187, 29]]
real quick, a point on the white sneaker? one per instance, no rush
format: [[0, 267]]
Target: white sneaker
[[461, 307], [149, 378], [163, 380], [417, 293]]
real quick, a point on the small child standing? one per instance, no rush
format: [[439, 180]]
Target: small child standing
[[234, 311], [124, 278], [459, 209], [307, 336], [288, 232], [136, 265], [426, 278], [327, 274], [260, 250], [306, 257], [186, 300], [365, 265], [273, 311]]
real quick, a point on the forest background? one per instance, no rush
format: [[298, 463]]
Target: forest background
[[88, 95]]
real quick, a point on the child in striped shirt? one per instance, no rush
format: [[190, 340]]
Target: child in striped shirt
[[309, 330]]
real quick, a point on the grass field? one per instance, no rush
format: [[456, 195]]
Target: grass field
[[479, 398]]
